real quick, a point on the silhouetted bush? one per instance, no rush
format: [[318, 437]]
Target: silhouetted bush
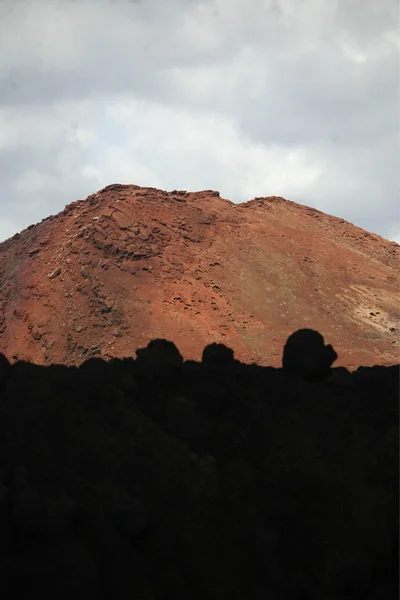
[[306, 355], [217, 354], [160, 479], [159, 353]]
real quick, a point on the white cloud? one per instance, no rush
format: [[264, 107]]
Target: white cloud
[[32, 182], [394, 234], [8, 227], [250, 97], [190, 150]]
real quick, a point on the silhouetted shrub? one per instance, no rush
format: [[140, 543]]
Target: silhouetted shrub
[[159, 352], [305, 355], [4, 370], [217, 354], [199, 481]]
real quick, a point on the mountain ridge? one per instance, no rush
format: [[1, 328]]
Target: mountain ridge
[[130, 264]]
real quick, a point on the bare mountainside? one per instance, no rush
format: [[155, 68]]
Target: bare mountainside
[[130, 264]]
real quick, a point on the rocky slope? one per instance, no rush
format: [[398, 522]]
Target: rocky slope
[[131, 264]]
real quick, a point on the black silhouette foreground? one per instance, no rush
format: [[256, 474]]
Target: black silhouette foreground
[[159, 479]]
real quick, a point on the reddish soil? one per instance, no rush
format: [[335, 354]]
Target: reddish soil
[[130, 264]]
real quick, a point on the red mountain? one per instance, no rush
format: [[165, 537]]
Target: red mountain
[[130, 264]]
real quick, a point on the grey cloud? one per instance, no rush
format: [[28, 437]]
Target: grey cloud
[[367, 19], [281, 76]]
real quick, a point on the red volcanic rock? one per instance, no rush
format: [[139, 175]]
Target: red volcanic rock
[[130, 264]]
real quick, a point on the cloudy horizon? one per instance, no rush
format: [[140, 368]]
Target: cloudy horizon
[[288, 98]]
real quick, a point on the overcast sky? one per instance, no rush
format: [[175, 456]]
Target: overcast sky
[[296, 98]]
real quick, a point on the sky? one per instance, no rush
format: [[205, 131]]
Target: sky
[[292, 98]]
